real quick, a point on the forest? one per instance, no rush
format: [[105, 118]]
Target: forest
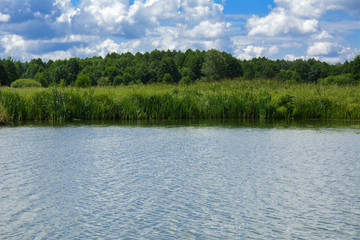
[[176, 85], [171, 67]]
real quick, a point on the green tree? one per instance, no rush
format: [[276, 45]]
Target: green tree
[[271, 69], [214, 67], [127, 78], [234, 68], [315, 72], [111, 72], [83, 81], [167, 65], [356, 68], [285, 75], [302, 68], [40, 77], [194, 61], [72, 69], [35, 66], [11, 70], [249, 71], [4, 80], [186, 72]]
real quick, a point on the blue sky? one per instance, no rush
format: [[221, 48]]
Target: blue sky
[[328, 30]]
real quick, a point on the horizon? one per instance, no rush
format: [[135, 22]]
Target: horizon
[[328, 31]]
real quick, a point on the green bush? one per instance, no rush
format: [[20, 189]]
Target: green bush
[[25, 83], [83, 81], [288, 75], [103, 81], [342, 79], [167, 78], [185, 80]]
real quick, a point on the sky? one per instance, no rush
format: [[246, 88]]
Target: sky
[[328, 30]]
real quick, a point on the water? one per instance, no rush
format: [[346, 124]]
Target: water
[[194, 181]]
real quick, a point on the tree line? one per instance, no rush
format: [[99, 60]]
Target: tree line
[[172, 67]]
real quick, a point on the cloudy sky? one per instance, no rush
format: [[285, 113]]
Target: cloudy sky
[[328, 30]]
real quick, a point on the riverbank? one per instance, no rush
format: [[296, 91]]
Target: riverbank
[[260, 99]]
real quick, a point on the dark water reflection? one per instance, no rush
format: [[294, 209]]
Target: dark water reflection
[[188, 180]]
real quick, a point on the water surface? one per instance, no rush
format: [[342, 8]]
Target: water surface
[[187, 181]]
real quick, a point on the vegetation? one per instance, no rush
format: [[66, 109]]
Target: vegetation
[[3, 115], [178, 85], [25, 83], [238, 98], [172, 67]]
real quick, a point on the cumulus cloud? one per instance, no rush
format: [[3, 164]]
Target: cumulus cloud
[[316, 8], [321, 48], [323, 35], [13, 43], [91, 27], [299, 17], [302, 21], [279, 22], [57, 28], [207, 29], [4, 17], [67, 12], [252, 51]]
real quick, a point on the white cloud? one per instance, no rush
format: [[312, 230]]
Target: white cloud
[[249, 52], [316, 8], [273, 50], [301, 21], [13, 43], [323, 35], [292, 57], [54, 55], [278, 22], [207, 29], [299, 17], [56, 28], [302, 8], [4, 17], [320, 48]]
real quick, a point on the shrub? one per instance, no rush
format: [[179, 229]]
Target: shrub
[[342, 79], [103, 81], [167, 78], [39, 77], [4, 118], [83, 80], [288, 75], [185, 80], [25, 83]]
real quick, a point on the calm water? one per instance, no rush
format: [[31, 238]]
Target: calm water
[[199, 181]]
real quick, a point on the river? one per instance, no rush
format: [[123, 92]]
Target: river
[[180, 181]]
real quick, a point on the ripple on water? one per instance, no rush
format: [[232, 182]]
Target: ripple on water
[[169, 183]]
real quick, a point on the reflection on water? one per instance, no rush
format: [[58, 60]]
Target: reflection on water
[[189, 180]]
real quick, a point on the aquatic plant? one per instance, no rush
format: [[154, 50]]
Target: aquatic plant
[[256, 99], [4, 118]]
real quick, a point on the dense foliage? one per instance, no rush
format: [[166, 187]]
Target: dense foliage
[[242, 99], [172, 67], [25, 83]]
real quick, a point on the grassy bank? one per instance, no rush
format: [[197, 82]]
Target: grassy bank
[[3, 115], [261, 99]]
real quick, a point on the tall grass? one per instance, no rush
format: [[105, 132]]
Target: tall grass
[[3, 115], [260, 99]]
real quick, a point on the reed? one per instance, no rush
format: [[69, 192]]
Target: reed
[[257, 99], [4, 118]]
